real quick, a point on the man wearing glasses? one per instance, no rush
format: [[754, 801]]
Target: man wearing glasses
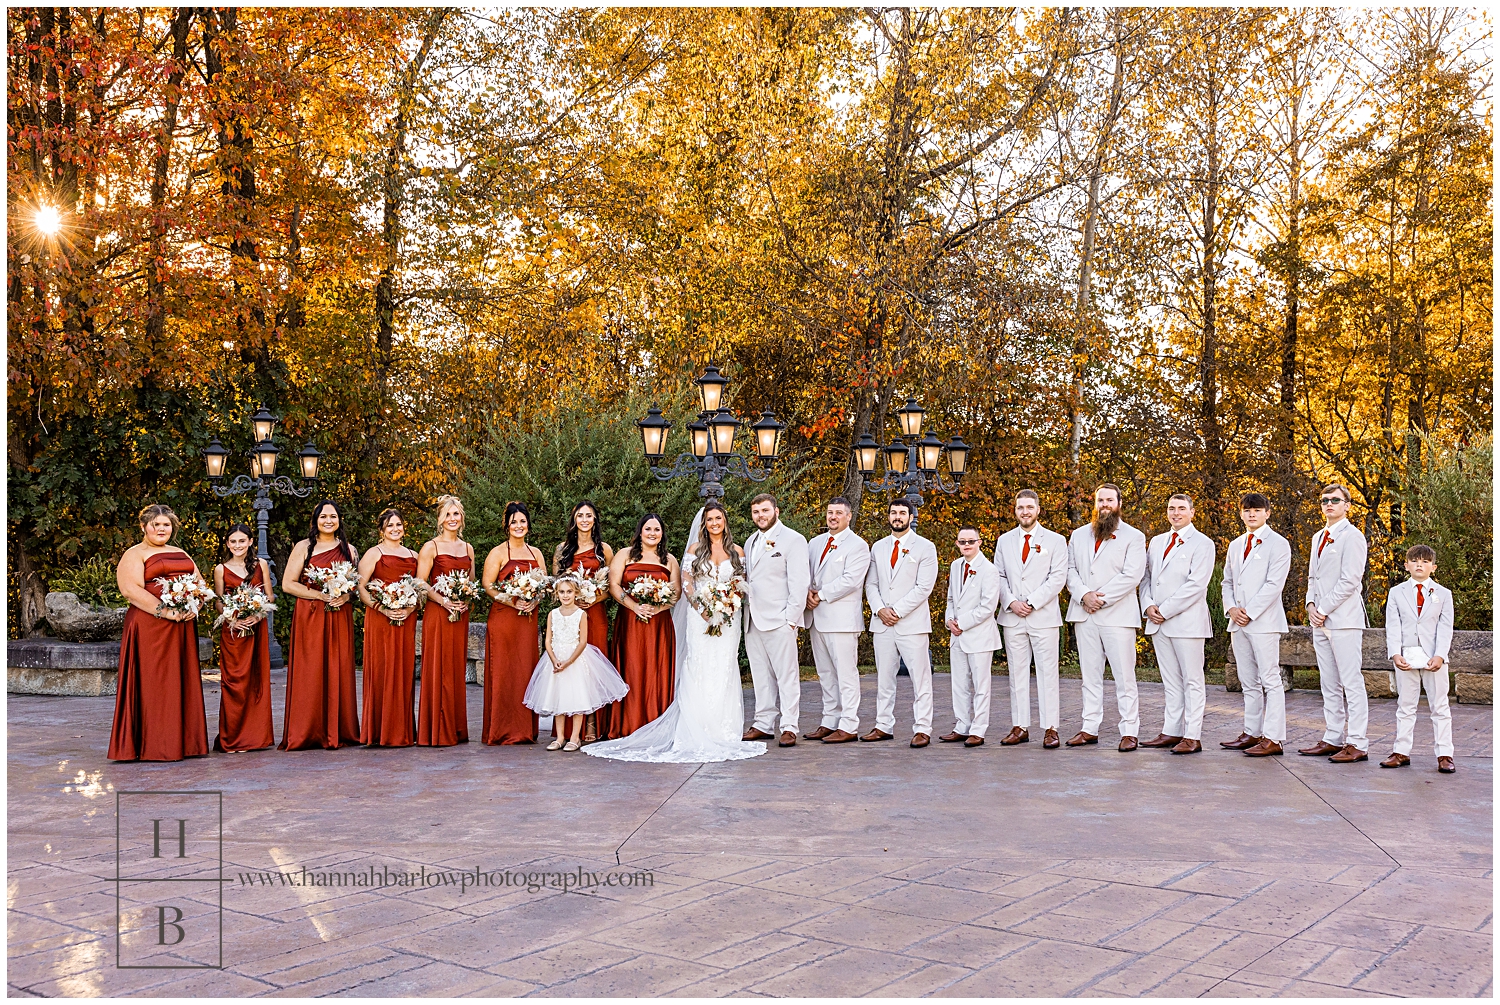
[[1336, 611]]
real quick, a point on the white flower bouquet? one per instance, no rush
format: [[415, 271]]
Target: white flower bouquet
[[591, 589], [244, 603], [187, 592], [652, 591], [457, 588], [338, 580], [721, 601], [402, 595]]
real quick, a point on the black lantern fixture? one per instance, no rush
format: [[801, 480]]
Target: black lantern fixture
[[712, 455], [866, 454], [929, 453], [958, 456], [308, 458], [266, 453], [215, 457], [910, 416], [912, 461], [264, 424]]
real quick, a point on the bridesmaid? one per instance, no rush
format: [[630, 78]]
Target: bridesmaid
[[321, 707], [244, 651], [511, 649], [644, 647], [159, 701], [390, 642], [583, 551], [443, 714]]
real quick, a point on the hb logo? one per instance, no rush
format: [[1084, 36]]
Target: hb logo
[[169, 871]]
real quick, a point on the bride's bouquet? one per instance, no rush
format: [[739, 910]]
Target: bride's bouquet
[[337, 580], [458, 588], [402, 595], [243, 603], [652, 591], [591, 589], [721, 601], [187, 592]]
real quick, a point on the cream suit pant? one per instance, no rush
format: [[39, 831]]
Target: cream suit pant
[[970, 674], [1022, 647], [1257, 660], [1181, 664], [1346, 708], [890, 650], [836, 655], [1096, 645], [1409, 687], [776, 675]]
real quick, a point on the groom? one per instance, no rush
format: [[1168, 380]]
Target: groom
[[777, 572]]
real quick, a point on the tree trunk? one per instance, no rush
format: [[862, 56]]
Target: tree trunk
[[157, 285], [1208, 364]]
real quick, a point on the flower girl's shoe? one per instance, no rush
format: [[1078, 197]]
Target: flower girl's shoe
[[572, 745], [555, 744]]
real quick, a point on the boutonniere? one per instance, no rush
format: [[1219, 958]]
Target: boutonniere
[[833, 546], [906, 551], [1036, 548], [770, 543]]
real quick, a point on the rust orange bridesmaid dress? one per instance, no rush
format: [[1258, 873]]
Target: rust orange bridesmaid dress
[[245, 680], [645, 653], [588, 563], [443, 713], [321, 710], [390, 666], [511, 652], [159, 695]]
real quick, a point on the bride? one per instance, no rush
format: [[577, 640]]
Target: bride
[[705, 720]]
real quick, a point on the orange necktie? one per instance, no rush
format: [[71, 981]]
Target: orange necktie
[[1170, 545], [1025, 548], [966, 579], [1419, 601], [895, 552], [1324, 543], [1249, 542], [826, 549]]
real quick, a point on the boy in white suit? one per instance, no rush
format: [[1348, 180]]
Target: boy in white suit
[[837, 563], [1255, 570], [903, 571], [777, 574], [1106, 560], [1033, 566], [1174, 598], [1418, 632], [973, 595], [1336, 610]]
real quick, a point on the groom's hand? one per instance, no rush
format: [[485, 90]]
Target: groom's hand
[[953, 627], [889, 617], [813, 600]]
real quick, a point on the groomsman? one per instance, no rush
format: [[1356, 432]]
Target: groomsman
[[837, 563], [1174, 596], [1336, 609], [1033, 566], [777, 574], [1255, 570], [903, 570], [1106, 559], [973, 594]]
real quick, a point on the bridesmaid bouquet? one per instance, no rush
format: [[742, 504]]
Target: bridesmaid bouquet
[[650, 590], [722, 601], [243, 603], [187, 592], [591, 589], [401, 595], [457, 587], [338, 580], [524, 585]]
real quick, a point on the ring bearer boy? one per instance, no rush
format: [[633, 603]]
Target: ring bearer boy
[[973, 595], [1418, 632]]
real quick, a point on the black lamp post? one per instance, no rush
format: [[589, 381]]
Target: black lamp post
[[262, 480], [911, 463], [712, 455]]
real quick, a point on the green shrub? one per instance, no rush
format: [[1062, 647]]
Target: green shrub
[[94, 582], [1449, 505]]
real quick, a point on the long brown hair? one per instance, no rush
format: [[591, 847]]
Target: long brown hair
[[703, 563], [637, 550]]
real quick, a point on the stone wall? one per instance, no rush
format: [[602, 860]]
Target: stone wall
[[52, 666]]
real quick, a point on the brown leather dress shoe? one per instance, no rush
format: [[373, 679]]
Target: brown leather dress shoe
[[1015, 736], [1242, 742], [1163, 740], [1265, 748], [1445, 765], [1128, 743], [1050, 740], [1349, 755], [756, 734], [876, 734], [920, 740], [953, 737], [1081, 738], [840, 736], [1187, 747], [1320, 749], [1395, 761], [817, 734], [975, 741], [788, 739]]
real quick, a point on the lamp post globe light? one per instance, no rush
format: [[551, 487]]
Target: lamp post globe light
[[712, 455], [912, 460], [262, 480]]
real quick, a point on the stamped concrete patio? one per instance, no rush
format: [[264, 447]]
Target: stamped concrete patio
[[865, 869]]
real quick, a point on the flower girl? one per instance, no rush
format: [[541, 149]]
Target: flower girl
[[572, 678]]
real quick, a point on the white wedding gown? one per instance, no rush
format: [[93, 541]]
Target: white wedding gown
[[707, 715]]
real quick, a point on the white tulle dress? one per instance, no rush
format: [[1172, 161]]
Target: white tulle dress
[[589, 683]]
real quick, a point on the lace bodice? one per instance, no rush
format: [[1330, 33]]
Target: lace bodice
[[565, 632]]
